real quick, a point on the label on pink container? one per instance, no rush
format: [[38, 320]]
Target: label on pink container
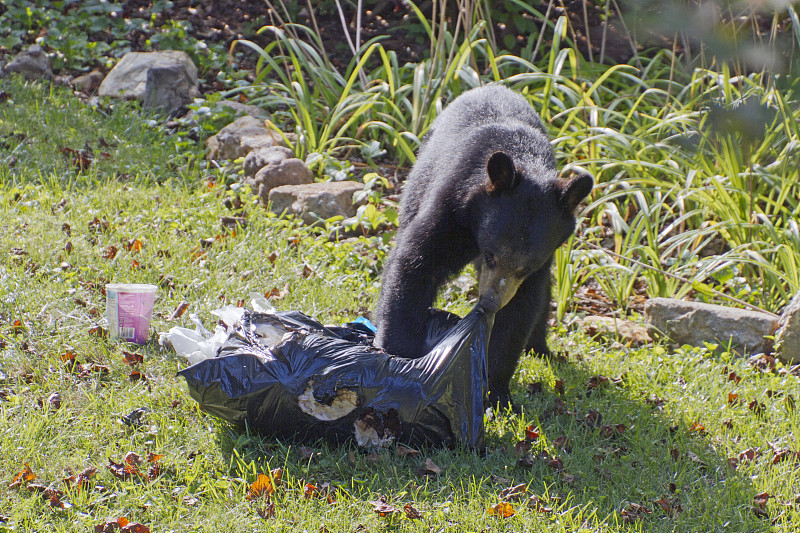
[[129, 309]]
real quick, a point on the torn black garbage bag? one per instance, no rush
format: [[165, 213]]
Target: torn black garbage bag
[[331, 383]]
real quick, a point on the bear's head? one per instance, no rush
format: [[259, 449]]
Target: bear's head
[[525, 212]]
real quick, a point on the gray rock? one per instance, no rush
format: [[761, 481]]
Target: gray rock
[[787, 337], [615, 329], [88, 83], [237, 107], [261, 157], [129, 78], [695, 323], [32, 63], [168, 88], [315, 201], [290, 171], [240, 137]]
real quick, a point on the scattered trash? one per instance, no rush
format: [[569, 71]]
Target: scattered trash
[[285, 374], [129, 308]]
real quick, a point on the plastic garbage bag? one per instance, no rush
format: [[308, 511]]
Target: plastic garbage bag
[[330, 382]]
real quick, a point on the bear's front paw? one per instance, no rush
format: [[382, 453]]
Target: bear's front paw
[[501, 402]]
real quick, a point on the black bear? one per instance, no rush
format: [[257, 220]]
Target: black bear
[[484, 189]]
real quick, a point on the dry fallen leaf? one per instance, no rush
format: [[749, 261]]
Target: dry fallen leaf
[[405, 451], [532, 433], [634, 512], [671, 508], [264, 484], [432, 467], [537, 504], [515, 493], [26, 475], [382, 508], [502, 509], [179, 311], [131, 359], [411, 512]]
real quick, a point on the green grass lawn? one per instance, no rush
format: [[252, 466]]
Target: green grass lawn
[[675, 440]]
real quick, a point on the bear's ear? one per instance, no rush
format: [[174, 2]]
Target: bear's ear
[[572, 191], [502, 174]]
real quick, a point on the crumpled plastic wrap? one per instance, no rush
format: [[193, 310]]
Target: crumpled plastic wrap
[[330, 382]]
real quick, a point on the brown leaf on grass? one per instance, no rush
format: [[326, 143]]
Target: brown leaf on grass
[[382, 508], [120, 470], [17, 327], [432, 468], [538, 504], [81, 159], [759, 506], [307, 453], [98, 331], [595, 382], [515, 493], [499, 480], [502, 509], [732, 376], [68, 247], [727, 423], [109, 252], [532, 433], [412, 513], [267, 511], [131, 358], [133, 458], [757, 407], [558, 386], [592, 418], [749, 454], [49, 493], [671, 507], [133, 245], [697, 428], [610, 430], [522, 447], [634, 512], [310, 490], [272, 257], [135, 375], [733, 398], [83, 480], [763, 362], [264, 484], [179, 311], [276, 294], [562, 443], [308, 272], [122, 525], [405, 451], [24, 476], [783, 454]]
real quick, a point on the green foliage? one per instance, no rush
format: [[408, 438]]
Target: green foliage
[[81, 34]]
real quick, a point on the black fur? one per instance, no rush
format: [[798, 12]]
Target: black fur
[[484, 189]]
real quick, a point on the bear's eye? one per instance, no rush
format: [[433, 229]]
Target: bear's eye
[[490, 260]]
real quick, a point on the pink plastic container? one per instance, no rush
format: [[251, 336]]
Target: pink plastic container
[[129, 308]]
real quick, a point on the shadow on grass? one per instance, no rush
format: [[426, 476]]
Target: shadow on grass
[[606, 455]]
